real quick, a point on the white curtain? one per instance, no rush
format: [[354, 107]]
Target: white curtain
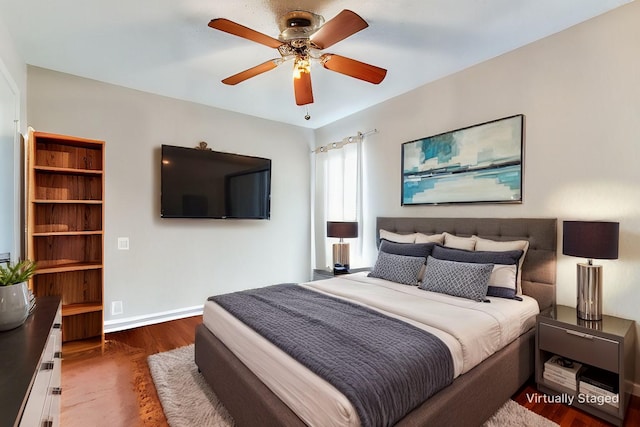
[[338, 196]]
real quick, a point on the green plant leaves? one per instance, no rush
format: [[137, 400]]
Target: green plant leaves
[[19, 272]]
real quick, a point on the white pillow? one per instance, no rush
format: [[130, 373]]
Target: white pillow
[[467, 243], [503, 276], [511, 245], [398, 238], [429, 238]]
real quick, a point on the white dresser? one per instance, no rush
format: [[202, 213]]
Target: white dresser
[[31, 367]]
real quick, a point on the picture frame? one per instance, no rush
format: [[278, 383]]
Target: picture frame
[[482, 163]]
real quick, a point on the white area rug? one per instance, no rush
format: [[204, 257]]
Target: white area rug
[[186, 398], [511, 414], [188, 401]]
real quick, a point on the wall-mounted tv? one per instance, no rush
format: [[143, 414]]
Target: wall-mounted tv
[[211, 184]]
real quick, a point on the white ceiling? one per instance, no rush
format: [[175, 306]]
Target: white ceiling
[[165, 46]]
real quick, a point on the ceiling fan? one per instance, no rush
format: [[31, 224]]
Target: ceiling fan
[[302, 38]]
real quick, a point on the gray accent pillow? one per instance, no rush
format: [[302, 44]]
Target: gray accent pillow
[[460, 279], [496, 288], [397, 268], [407, 249]]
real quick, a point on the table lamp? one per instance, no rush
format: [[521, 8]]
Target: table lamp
[[591, 240], [343, 230]]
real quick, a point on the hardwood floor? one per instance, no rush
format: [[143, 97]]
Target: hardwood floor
[[568, 416], [112, 387]]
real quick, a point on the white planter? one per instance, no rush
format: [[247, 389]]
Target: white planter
[[14, 305]]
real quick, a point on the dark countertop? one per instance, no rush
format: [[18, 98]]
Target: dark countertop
[[20, 351]]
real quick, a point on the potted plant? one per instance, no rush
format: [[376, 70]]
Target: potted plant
[[14, 294]]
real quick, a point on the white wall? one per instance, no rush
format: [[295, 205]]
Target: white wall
[[13, 79], [580, 93], [15, 67], [174, 264]]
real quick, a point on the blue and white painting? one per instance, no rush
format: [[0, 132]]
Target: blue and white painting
[[481, 163]]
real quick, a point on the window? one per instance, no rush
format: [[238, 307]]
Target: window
[[338, 195]]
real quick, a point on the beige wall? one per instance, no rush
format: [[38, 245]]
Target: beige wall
[[174, 264], [580, 93]]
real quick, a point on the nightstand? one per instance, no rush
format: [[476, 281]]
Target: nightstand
[[608, 344], [322, 274]]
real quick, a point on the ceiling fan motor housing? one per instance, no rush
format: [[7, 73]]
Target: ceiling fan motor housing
[[299, 24]]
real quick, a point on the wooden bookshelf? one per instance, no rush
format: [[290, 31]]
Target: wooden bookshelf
[[65, 228]]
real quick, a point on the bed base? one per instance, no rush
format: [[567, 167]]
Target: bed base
[[470, 400]]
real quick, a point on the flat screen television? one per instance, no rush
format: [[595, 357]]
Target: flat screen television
[[211, 184]]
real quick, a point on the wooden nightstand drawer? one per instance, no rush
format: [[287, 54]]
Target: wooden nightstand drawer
[[587, 348]]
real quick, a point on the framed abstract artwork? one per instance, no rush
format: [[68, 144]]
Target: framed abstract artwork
[[476, 164]]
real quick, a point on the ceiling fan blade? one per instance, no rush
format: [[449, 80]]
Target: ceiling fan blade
[[302, 89], [343, 25], [353, 68], [236, 29], [251, 72]]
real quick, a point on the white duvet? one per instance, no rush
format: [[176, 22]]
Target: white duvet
[[471, 330]]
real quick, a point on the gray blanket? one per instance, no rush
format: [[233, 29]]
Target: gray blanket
[[384, 366]]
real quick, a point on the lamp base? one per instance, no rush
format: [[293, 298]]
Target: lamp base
[[340, 258], [589, 305]]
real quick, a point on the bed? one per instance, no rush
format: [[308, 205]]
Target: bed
[[470, 399]]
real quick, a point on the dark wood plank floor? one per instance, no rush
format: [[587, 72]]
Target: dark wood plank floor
[[112, 386], [568, 416]]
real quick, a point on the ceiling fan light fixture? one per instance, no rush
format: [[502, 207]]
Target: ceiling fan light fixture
[[301, 65]]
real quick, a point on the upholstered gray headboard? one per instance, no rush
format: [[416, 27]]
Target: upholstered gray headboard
[[539, 268]]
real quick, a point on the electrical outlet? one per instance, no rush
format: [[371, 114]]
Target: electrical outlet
[[123, 243], [116, 308]]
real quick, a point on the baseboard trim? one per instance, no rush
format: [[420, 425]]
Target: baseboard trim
[[116, 325]]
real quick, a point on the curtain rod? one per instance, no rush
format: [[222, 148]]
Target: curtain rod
[[346, 140]]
